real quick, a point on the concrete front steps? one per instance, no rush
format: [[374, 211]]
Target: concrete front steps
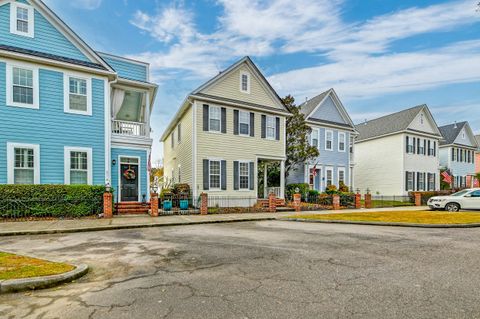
[[132, 208]]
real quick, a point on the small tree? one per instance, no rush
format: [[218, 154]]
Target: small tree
[[299, 150]]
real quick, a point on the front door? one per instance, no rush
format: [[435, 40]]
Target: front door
[[129, 183]]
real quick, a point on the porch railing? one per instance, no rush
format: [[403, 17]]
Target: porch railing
[[275, 190], [128, 128]]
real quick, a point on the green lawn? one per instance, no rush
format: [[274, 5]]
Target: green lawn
[[16, 267], [388, 203], [410, 217]]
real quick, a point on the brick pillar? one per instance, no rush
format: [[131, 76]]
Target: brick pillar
[[368, 200], [107, 205], [358, 201], [336, 202], [418, 199], [204, 203], [272, 203], [154, 205], [297, 200]]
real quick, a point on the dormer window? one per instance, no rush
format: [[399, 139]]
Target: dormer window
[[245, 82], [21, 19], [463, 135], [421, 119]]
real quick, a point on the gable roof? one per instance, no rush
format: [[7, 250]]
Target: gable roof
[[308, 108], [477, 137], [63, 28], [392, 123], [450, 133]]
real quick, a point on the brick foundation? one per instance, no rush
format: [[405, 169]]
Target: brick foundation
[[368, 201], [203, 203], [107, 205]]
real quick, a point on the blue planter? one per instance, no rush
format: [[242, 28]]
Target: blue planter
[[167, 205], [184, 204]]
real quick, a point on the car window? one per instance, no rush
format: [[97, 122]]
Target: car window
[[460, 193], [475, 194]]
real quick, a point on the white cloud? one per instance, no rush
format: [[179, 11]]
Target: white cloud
[[86, 4]]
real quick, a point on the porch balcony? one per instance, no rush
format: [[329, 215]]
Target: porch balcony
[[128, 128]]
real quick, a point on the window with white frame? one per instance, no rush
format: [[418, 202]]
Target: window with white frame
[[315, 138], [215, 172], [421, 147], [23, 163], [410, 177], [341, 176], [329, 140], [244, 123], [431, 182], [421, 181], [341, 141], [410, 146], [21, 19], [271, 127], [454, 154], [77, 94], [329, 176], [245, 82], [22, 86], [244, 175], [214, 118], [78, 166]]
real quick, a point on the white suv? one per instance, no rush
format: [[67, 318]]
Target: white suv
[[465, 199]]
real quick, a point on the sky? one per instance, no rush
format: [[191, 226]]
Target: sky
[[381, 56]]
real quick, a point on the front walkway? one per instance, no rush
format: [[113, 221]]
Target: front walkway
[[124, 222]]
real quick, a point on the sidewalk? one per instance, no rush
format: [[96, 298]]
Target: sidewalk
[[125, 222]]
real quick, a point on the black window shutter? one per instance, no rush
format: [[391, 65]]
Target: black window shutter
[[252, 124], [413, 181], [264, 126], [406, 147], [235, 122], [205, 117], [406, 181], [434, 148], [223, 123], [277, 128], [453, 154], [224, 175], [414, 145], [418, 181], [418, 146], [206, 174], [251, 180], [236, 183], [429, 147], [424, 147], [434, 181]]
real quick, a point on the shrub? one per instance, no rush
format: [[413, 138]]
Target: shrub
[[183, 189], [50, 200], [343, 188], [427, 195], [303, 189], [331, 190]]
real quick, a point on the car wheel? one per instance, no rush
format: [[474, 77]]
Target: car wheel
[[452, 207]]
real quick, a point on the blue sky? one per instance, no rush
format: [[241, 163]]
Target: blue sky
[[380, 55]]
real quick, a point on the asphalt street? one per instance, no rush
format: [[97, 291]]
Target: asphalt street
[[267, 269]]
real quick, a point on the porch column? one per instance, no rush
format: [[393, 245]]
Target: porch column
[[265, 180], [282, 179]]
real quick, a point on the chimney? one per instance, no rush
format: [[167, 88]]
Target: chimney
[[455, 126]]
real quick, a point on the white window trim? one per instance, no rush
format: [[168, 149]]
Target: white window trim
[[412, 175], [66, 156], [13, 19], [240, 123], [210, 118], [326, 139], [66, 93], [11, 161], [342, 169], [210, 174], [9, 84], [344, 142], [239, 184], [274, 128], [248, 82], [327, 169], [315, 132]]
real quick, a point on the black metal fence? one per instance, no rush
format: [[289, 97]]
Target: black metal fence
[[232, 204], [178, 205], [384, 201], [35, 209]]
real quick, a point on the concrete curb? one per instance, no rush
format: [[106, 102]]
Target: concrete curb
[[380, 223], [16, 285], [131, 226]]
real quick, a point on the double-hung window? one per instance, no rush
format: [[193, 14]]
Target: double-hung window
[[215, 172], [421, 147], [271, 128], [315, 138], [214, 119], [431, 182], [410, 146], [78, 166], [341, 141], [329, 176], [244, 121], [23, 162], [341, 176], [421, 181], [244, 175], [21, 19], [329, 140], [77, 95], [22, 86], [245, 82], [410, 178]]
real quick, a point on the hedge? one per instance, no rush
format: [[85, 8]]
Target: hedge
[[427, 195], [26, 201], [303, 189]]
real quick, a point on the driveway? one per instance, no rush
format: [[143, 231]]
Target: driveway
[[268, 269]]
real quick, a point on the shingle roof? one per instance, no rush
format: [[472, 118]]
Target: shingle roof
[[51, 57], [450, 132], [477, 137], [308, 106], [388, 124]]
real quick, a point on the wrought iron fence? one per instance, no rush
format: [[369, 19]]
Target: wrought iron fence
[[36, 209], [178, 205], [384, 201], [233, 204]]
